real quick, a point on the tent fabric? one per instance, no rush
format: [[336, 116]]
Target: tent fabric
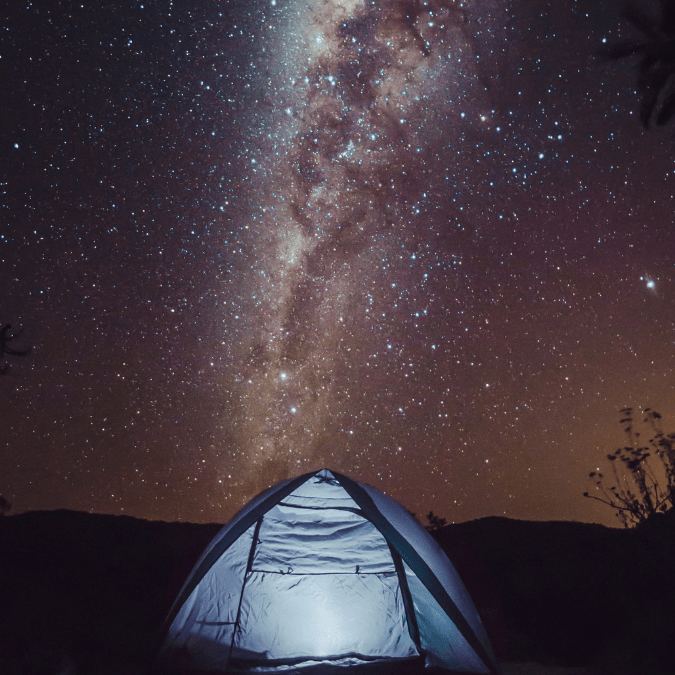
[[322, 571]]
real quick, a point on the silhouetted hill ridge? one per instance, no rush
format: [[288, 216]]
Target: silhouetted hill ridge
[[97, 588], [571, 593]]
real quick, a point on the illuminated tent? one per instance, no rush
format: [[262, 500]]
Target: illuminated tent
[[320, 573]]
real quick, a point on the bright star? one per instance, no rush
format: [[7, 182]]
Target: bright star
[[649, 282]]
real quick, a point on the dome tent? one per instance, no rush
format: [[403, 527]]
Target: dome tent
[[319, 573]]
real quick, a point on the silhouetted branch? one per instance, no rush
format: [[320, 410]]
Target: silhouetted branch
[[656, 68], [640, 491], [5, 338]]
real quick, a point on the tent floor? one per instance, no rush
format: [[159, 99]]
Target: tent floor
[[409, 667]]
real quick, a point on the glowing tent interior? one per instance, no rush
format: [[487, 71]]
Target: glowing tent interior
[[320, 573]]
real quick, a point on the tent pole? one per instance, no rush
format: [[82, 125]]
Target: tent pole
[[249, 566], [413, 629]]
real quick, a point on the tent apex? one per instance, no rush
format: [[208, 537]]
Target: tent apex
[[326, 474]]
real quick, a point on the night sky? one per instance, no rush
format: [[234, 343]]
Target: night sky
[[427, 244]]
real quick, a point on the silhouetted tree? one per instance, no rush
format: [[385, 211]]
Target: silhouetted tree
[[6, 337], [435, 522], [641, 488], [5, 506], [656, 68]]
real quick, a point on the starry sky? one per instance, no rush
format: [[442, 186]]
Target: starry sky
[[424, 243]]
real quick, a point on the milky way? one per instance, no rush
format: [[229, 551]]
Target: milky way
[[348, 170], [426, 244]]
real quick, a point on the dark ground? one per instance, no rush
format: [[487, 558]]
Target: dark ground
[[86, 594]]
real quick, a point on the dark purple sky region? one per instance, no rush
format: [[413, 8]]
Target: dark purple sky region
[[427, 244]]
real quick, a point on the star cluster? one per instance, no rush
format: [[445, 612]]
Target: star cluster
[[424, 243]]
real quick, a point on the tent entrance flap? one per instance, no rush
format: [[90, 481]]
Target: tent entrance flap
[[337, 597], [323, 616]]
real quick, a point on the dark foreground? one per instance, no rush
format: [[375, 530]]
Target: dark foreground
[[84, 594]]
